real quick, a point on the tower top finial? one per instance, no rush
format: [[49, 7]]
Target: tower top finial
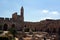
[[22, 7], [22, 11]]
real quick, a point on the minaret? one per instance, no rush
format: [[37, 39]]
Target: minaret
[[22, 11], [22, 16]]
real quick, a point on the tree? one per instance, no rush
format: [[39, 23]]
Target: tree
[[13, 30], [30, 31], [1, 30], [26, 29]]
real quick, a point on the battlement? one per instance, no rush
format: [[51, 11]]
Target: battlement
[[50, 20], [7, 19], [1, 18]]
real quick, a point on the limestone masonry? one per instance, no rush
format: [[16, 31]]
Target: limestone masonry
[[19, 23]]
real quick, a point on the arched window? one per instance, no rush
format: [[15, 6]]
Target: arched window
[[54, 30], [5, 27]]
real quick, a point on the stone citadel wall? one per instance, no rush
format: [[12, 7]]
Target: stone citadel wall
[[18, 21]]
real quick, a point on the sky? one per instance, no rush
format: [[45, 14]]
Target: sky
[[34, 10]]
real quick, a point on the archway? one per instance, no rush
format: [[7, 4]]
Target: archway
[[54, 30], [13, 25], [25, 26], [0, 27], [59, 30], [5, 27]]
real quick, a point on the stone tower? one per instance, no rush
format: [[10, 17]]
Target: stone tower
[[22, 16], [22, 11]]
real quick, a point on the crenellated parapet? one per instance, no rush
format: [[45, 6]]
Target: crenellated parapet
[[7, 19], [1, 18]]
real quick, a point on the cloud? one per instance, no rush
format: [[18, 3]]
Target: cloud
[[55, 12], [49, 12], [45, 11]]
